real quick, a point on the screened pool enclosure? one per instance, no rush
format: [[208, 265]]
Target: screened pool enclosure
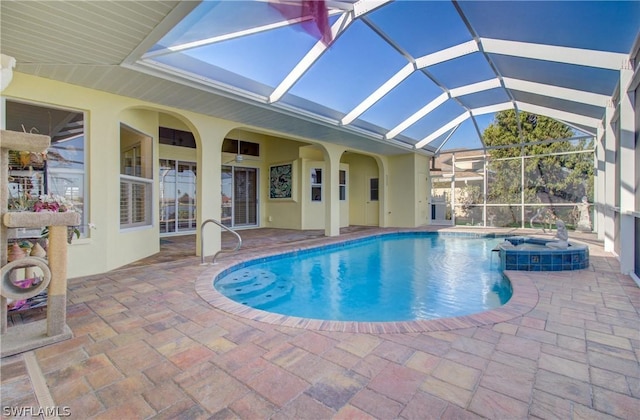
[[529, 186], [380, 78]]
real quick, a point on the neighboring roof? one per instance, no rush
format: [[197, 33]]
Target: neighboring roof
[[404, 75]]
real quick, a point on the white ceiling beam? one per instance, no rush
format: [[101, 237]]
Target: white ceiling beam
[[311, 57], [447, 54], [568, 55], [341, 5], [593, 132], [230, 35], [463, 90], [446, 140], [379, 93], [475, 87], [635, 80], [224, 37], [415, 117], [574, 95], [448, 126], [362, 7], [492, 108], [558, 114]]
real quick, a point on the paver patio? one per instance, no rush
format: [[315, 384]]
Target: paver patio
[[146, 345]]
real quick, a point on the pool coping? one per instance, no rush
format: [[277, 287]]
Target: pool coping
[[524, 298]]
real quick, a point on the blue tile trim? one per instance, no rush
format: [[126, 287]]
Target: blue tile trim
[[575, 257]]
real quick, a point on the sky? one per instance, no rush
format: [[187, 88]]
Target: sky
[[370, 53]]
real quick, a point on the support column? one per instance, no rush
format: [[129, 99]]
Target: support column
[[610, 179], [384, 200], [209, 138], [627, 174], [332, 155], [600, 161]]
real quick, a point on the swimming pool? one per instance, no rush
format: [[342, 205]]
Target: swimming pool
[[393, 277]]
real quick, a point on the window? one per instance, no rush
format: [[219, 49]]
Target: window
[[316, 184], [239, 147], [342, 182], [132, 161], [64, 170], [178, 138], [373, 189], [136, 178]]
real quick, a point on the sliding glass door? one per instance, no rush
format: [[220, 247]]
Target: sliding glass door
[[177, 196], [239, 196]]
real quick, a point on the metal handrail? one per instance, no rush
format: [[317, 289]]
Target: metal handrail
[[213, 261]]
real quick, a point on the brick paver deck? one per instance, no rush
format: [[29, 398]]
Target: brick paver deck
[[147, 345]]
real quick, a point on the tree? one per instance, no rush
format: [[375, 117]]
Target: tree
[[550, 176]]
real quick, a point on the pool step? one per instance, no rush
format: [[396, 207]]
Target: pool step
[[242, 278], [253, 287], [269, 298]]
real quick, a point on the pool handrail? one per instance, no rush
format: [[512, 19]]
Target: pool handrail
[[217, 222]]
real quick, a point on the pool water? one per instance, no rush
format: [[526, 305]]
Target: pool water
[[397, 277]]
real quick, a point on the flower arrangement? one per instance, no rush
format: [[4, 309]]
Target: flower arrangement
[[52, 203]]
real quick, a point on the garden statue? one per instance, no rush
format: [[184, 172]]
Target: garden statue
[[544, 217], [584, 224], [562, 236]]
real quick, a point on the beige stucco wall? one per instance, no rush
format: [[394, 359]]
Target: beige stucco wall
[[362, 211], [312, 211], [109, 246], [409, 190], [184, 154], [278, 212]]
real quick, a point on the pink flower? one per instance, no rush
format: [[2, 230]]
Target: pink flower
[[52, 203]]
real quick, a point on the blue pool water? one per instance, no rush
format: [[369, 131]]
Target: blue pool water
[[397, 277]]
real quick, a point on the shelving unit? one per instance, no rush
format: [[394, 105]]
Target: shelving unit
[[54, 328]]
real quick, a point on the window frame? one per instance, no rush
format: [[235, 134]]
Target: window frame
[[131, 181], [240, 147], [375, 197], [53, 172], [342, 185], [316, 186]]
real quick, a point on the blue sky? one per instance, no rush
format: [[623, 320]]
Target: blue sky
[[361, 60]]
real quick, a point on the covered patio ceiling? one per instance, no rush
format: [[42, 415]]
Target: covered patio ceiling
[[393, 76]]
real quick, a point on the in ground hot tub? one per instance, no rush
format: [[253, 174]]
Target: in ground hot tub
[[532, 254]]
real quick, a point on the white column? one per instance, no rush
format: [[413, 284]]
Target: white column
[[522, 223], [332, 190], [384, 200], [610, 179], [600, 183], [453, 189], [209, 186], [628, 187]]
